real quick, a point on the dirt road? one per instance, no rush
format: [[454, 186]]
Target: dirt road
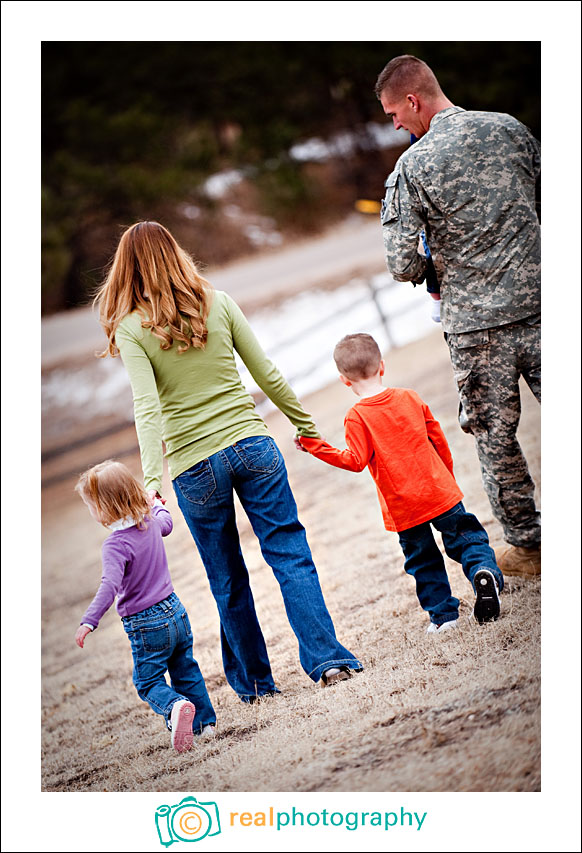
[[458, 714]]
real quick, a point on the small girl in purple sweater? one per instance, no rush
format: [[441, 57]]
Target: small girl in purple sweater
[[135, 569]]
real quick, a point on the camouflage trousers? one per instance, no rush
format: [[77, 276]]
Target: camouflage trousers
[[487, 366]]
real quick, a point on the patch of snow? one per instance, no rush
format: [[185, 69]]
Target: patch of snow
[[191, 211], [262, 237], [217, 186], [376, 136]]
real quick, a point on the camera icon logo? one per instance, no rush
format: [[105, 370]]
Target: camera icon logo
[[189, 820]]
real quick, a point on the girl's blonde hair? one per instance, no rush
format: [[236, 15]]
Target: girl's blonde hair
[[151, 272], [114, 493]]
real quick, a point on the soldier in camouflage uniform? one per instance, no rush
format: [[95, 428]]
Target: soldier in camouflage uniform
[[470, 183]]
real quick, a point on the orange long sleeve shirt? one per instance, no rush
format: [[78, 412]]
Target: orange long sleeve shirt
[[395, 434]]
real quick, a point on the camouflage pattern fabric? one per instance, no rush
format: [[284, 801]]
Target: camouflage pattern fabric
[[470, 182], [487, 366]]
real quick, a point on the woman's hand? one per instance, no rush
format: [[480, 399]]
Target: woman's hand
[[152, 496], [298, 445]]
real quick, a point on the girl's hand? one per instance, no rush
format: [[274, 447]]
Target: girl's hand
[[82, 632]]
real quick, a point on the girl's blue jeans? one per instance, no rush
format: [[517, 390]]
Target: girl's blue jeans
[[465, 541], [161, 641], [254, 468]]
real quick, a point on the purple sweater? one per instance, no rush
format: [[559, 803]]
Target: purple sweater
[[135, 569]]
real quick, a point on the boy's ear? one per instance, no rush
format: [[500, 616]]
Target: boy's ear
[[345, 380], [382, 368]]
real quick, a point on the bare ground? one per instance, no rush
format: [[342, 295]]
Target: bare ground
[[459, 712]]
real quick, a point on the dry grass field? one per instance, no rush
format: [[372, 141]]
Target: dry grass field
[[459, 712]]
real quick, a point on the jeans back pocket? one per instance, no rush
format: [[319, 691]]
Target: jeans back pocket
[[198, 483], [259, 454], [156, 639]]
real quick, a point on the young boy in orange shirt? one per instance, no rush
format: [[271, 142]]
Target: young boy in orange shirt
[[393, 432]]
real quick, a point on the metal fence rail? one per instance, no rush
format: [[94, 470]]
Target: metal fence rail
[[371, 296]]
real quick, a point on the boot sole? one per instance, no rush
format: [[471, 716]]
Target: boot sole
[[487, 607]]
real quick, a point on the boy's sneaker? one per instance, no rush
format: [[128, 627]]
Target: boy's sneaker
[[334, 674], [181, 720], [487, 601], [433, 628]]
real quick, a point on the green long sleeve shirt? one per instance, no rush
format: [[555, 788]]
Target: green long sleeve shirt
[[195, 401]]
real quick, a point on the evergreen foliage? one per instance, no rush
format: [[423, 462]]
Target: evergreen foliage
[[132, 129]]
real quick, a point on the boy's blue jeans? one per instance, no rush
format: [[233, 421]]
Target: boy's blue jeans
[[161, 641], [255, 469], [465, 541]]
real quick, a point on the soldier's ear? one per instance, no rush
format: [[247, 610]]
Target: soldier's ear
[[414, 102]]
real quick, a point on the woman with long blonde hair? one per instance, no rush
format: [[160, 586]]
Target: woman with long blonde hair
[[177, 338]]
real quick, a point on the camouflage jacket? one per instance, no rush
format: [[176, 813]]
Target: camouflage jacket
[[470, 182]]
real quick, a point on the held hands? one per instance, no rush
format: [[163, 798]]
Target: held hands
[[298, 444], [299, 440], [82, 632]]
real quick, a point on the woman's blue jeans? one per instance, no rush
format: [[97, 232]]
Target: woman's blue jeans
[[161, 641], [465, 541], [255, 469]]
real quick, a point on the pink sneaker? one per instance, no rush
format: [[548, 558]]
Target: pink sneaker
[[181, 720]]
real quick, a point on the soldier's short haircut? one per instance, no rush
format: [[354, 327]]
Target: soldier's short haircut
[[357, 356], [407, 75]]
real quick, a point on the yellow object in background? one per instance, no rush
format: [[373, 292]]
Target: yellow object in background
[[367, 205]]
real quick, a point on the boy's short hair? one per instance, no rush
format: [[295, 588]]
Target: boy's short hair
[[357, 356]]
